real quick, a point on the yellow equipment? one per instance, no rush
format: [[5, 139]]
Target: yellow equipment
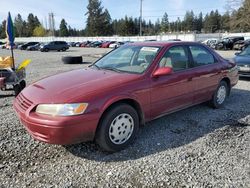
[[6, 62]]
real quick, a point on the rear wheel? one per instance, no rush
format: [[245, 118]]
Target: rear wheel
[[220, 95], [46, 49], [17, 89], [118, 128]]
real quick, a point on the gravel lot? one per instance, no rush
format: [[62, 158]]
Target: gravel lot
[[196, 147]]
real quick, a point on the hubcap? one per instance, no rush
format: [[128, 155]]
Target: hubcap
[[121, 128], [221, 94]]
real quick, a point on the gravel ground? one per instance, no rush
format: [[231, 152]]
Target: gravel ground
[[196, 147]]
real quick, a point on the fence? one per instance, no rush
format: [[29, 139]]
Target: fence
[[181, 36]]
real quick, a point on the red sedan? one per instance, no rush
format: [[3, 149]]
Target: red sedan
[[133, 84]]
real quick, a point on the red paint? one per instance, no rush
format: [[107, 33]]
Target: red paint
[[157, 91]]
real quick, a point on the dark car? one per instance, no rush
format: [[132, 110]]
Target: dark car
[[54, 45], [95, 44], [26, 45], [138, 82], [34, 47], [227, 43], [242, 60]]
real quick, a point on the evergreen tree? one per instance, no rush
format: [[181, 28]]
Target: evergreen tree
[[63, 29], [165, 23], [94, 21], [32, 23], [107, 23], [157, 27], [189, 20], [2, 30], [19, 25]]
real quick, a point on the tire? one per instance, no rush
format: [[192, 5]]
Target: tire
[[63, 49], [17, 89], [46, 49], [72, 59], [22, 84], [220, 95], [118, 128]]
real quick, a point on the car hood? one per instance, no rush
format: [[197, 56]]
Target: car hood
[[242, 60], [75, 86]]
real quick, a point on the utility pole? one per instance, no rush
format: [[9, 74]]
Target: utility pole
[[52, 23], [141, 18]]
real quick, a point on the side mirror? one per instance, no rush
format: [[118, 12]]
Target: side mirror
[[162, 71], [237, 53]]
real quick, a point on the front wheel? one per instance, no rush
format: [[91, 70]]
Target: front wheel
[[118, 128], [220, 95]]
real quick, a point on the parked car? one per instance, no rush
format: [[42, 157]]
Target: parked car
[[34, 47], [136, 83], [26, 45], [227, 43], [84, 44], [242, 60], [95, 44], [241, 44], [2, 45], [107, 44], [116, 45], [211, 42], [54, 45]]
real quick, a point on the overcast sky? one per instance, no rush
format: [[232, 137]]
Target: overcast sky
[[73, 10]]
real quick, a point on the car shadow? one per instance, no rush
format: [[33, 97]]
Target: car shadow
[[6, 96], [244, 78], [175, 130]]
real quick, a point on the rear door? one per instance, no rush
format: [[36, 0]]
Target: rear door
[[207, 73], [174, 91]]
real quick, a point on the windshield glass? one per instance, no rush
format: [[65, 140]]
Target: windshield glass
[[131, 59], [245, 52]]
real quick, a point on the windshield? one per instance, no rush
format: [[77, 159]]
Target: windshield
[[245, 52], [131, 59]]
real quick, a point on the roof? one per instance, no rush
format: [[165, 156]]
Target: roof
[[160, 43]]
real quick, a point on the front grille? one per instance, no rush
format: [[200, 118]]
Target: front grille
[[22, 102]]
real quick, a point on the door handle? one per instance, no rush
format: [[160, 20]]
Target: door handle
[[190, 79]]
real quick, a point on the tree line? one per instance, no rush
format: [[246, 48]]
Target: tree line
[[100, 23]]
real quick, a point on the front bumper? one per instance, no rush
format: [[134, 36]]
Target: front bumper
[[59, 130]]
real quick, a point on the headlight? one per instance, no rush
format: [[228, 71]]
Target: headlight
[[62, 109]]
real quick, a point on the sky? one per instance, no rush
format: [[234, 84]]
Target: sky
[[73, 11]]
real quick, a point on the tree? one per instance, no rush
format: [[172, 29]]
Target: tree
[[94, 20], [2, 30], [63, 31], [240, 18], [32, 23], [165, 23], [39, 31], [19, 25], [107, 23], [188, 21]]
